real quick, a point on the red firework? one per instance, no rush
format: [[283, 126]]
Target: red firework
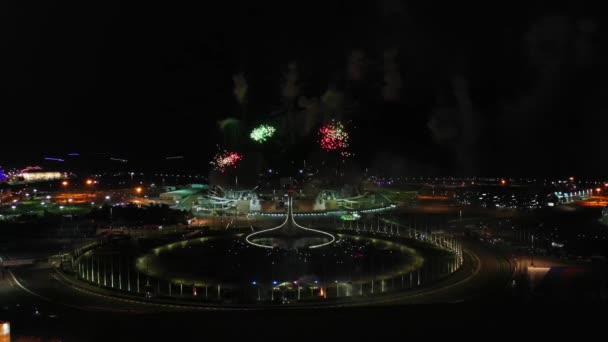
[[333, 136], [225, 160]]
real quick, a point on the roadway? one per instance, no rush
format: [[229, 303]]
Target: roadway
[[483, 275], [38, 300]]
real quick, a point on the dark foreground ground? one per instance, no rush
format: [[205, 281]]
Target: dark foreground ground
[[479, 319]]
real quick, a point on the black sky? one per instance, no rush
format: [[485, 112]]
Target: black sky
[[151, 80]]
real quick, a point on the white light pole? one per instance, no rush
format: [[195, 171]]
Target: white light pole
[[112, 272], [532, 255], [119, 274], [129, 278]]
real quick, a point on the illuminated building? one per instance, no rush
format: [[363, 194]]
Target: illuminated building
[[40, 176], [5, 332]]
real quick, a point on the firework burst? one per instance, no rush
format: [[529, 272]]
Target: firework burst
[[262, 133], [225, 160], [333, 136]]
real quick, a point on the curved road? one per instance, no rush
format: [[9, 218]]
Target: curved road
[[489, 277]]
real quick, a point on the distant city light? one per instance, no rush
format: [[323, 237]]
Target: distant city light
[[3, 176]]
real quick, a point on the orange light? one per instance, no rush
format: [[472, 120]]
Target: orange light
[[322, 293], [89, 182], [65, 183], [598, 189], [503, 182], [138, 190], [5, 331], [606, 185]]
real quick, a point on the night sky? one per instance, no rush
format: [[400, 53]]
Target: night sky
[[489, 90]]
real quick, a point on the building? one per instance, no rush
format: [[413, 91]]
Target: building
[[179, 196], [40, 176]]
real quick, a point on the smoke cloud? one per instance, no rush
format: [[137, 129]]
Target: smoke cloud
[[291, 89], [240, 88], [391, 91], [357, 64]]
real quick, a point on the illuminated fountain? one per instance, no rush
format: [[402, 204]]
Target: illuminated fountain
[[290, 235], [287, 263]]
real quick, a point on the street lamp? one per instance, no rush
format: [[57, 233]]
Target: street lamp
[[65, 184], [254, 283], [532, 255]]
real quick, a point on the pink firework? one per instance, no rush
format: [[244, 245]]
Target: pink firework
[[333, 136], [225, 160]]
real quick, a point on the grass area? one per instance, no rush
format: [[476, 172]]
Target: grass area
[[401, 196]]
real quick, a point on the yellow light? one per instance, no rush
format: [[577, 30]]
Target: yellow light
[[138, 190], [89, 181]]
